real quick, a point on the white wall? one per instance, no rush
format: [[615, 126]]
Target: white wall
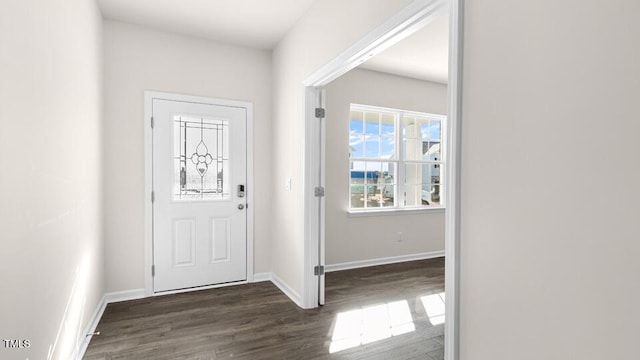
[[349, 238], [50, 149], [549, 248], [328, 28], [139, 59]]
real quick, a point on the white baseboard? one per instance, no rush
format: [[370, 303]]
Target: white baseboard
[[280, 284], [97, 315], [261, 277], [287, 290], [124, 295], [382, 261], [83, 341]]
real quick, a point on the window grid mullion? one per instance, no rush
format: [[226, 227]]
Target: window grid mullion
[[365, 182], [364, 134], [379, 135], [401, 175]]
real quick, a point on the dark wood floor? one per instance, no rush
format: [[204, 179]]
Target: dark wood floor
[[257, 321]]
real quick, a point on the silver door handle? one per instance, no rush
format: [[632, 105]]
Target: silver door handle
[[240, 206]]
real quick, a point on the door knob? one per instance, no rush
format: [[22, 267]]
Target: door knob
[[240, 206]]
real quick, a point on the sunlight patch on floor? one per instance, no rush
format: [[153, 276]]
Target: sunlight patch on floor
[[363, 326], [434, 306]]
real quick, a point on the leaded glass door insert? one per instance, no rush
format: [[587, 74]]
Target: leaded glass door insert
[[201, 157]]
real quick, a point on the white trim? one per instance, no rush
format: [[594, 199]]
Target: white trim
[[260, 277], [312, 169], [97, 315], [383, 261], [83, 343], [198, 288], [251, 185], [408, 20], [148, 181], [322, 205], [405, 22], [126, 295], [148, 187], [401, 112], [452, 181], [286, 289], [396, 211]]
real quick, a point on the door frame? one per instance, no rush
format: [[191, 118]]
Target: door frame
[[402, 24], [149, 96]]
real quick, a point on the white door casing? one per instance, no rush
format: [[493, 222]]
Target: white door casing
[[199, 161]]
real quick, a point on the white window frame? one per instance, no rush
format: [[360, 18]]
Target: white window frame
[[399, 161]]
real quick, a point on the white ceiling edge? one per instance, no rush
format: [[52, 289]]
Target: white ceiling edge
[[262, 24], [252, 23]]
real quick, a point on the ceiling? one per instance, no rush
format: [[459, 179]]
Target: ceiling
[[262, 23], [254, 23]]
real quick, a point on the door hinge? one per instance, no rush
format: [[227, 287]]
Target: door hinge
[[152, 122], [319, 191], [153, 196], [318, 270], [320, 113], [153, 270]]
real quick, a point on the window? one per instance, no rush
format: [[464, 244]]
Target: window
[[395, 158], [201, 158]]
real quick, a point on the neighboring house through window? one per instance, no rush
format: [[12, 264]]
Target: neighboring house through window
[[395, 159]]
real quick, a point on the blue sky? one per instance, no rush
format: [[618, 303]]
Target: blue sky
[[366, 137]]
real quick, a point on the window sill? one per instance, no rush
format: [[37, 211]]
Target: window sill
[[395, 211]]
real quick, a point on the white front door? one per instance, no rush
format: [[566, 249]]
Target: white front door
[[199, 207]]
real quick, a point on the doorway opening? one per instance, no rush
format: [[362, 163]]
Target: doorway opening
[[406, 22]]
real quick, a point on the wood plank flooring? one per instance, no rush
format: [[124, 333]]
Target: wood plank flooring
[[257, 321]]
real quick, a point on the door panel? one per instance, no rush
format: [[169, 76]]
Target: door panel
[[199, 160], [221, 240], [184, 242]]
